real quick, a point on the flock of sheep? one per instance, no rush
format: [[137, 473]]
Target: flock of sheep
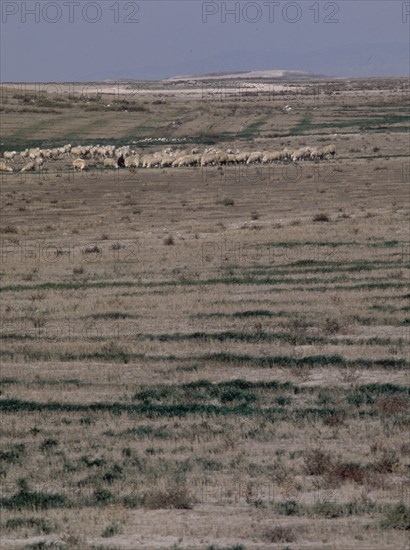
[[109, 156]]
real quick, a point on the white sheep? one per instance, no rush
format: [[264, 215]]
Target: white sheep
[[271, 157], [329, 151], [79, 164], [9, 155], [76, 151], [110, 163], [132, 162], [241, 158], [254, 157], [167, 160], [4, 167], [28, 167]]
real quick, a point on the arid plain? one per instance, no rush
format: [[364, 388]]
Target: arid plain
[[207, 358]]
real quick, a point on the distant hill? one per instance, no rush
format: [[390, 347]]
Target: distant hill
[[352, 60], [246, 75]]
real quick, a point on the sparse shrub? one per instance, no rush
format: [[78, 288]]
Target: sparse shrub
[[48, 444], [334, 418], [92, 249], [279, 533], [78, 270], [11, 229], [255, 215], [405, 449], [398, 517], [392, 404], [113, 474], [173, 497], [40, 525], [133, 501], [332, 326], [327, 509], [111, 530], [169, 241], [345, 471], [288, 508], [102, 496], [25, 498], [117, 246], [15, 454], [322, 217], [45, 545], [282, 400], [387, 463], [317, 462], [227, 201], [234, 547]]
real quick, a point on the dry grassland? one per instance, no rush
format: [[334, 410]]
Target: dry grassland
[[208, 359]]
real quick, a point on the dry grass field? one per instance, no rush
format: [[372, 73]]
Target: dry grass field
[[211, 359]]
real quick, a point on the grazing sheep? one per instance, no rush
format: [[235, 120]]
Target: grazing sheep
[[316, 153], [4, 167], [79, 164], [254, 157], [166, 161], [209, 159], [301, 154], [28, 167], [132, 161], [187, 160], [110, 163], [241, 158], [271, 157], [9, 155], [231, 158], [76, 151], [329, 151]]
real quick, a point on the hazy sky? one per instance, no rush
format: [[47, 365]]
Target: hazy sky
[[80, 40]]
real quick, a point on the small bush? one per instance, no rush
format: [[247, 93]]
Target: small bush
[[102, 496], [78, 270], [40, 525], [279, 534], [288, 508], [335, 418], [45, 545], [392, 404], [317, 462], [322, 217], [387, 463], [92, 249], [48, 444], [327, 509], [226, 202], [111, 530], [346, 471], [169, 241], [398, 517], [173, 497], [11, 229], [133, 501], [25, 498]]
